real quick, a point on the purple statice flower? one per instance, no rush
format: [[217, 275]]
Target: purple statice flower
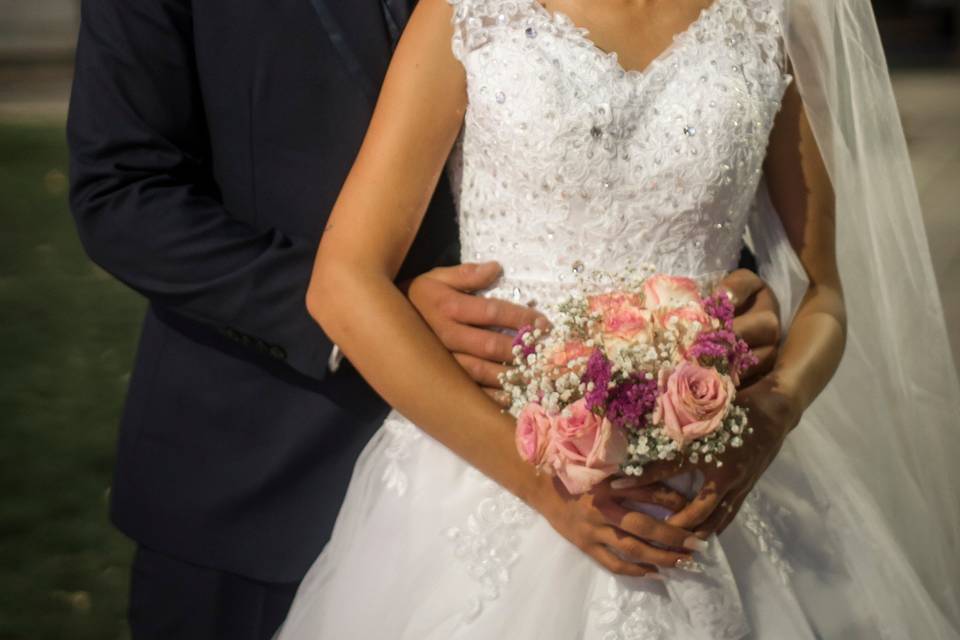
[[713, 346], [723, 348], [520, 340], [742, 357], [720, 307], [599, 371], [630, 402]]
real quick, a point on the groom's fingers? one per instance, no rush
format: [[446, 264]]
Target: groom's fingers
[[491, 312], [479, 343], [483, 372], [759, 327], [468, 276], [742, 285]]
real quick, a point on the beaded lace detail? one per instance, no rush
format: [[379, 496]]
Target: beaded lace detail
[[487, 544], [637, 609], [633, 613], [566, 159], [755, 514]]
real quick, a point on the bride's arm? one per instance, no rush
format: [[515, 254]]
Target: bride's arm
[[353, 296], [800, 190], [802, 194]]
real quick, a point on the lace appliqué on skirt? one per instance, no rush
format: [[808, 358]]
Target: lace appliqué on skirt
[[632, 613], [487, 544], [752, 514]]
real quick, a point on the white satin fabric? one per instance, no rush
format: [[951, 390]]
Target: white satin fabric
[[570, 163]]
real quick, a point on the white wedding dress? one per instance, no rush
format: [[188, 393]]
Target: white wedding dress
[[569, 163]]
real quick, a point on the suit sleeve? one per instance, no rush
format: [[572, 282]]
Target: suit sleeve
[[143, 195]]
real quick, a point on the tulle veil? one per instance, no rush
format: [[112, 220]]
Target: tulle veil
[[866, 485]]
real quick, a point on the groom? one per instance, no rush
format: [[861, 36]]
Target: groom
[[208, 142]]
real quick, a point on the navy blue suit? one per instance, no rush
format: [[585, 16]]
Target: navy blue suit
[[208, 143]]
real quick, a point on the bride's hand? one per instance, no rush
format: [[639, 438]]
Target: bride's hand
[[773, 414], [757, 319], [622, 540]]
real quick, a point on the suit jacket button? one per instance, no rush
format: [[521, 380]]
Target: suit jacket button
[[278, 352], [232, 333]]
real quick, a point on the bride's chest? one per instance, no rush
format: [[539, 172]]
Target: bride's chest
[[542, 94]]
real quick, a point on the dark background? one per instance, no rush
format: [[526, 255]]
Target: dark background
[[67, 329]]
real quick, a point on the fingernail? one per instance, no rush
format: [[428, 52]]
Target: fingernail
[[696, 544], [688, 564], [623, 483], [541, 323]]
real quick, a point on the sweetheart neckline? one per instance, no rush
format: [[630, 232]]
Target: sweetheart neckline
[[582, 34]]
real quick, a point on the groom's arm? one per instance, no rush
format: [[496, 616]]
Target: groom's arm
[[144, 197]]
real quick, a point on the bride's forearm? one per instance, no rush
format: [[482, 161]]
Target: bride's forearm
[[391, 346], [813, 346], [802, 194]]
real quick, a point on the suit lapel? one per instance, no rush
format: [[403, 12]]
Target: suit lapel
[[346, 43], [396, 12]]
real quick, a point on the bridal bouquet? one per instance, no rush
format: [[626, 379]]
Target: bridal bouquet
[[645, 372]]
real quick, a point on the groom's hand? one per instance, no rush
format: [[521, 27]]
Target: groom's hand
[[757, 319], [471, 327]]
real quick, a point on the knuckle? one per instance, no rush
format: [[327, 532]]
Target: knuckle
[[448, 334], [580, 541], [640, 525], [634, 548], [449, 306], [491, 347], [473, 368], [482, 372], [617, 566], [491, 311]]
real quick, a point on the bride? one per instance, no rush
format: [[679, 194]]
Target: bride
[[575, 151]]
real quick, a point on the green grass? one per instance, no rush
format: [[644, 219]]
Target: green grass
[[67, 336]]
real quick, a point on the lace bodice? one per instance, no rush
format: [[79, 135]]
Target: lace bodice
[[568, 162]]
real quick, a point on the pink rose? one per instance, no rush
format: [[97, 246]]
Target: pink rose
[[661, 290], [569, 351], [693, 401], [586, 449], [623, 315], [533, 435]]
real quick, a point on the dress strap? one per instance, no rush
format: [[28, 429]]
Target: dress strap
[[475, 22]]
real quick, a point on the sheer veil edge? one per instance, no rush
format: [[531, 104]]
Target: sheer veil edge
[[874, 466]]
